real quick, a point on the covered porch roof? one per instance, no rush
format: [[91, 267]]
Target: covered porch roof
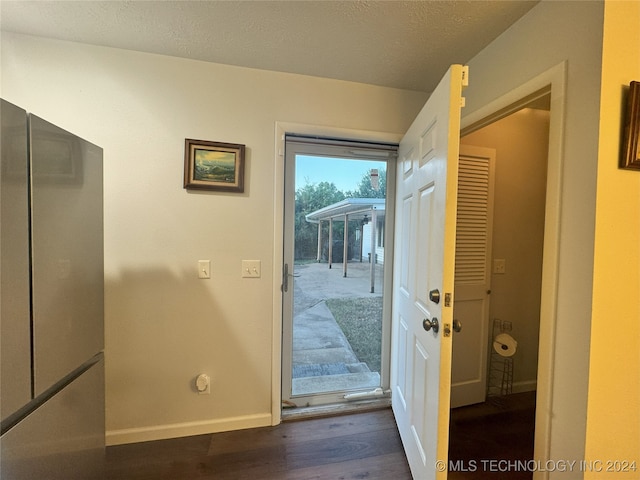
[[355, 208], [363, 209]]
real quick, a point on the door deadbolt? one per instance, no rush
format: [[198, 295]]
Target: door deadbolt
[[431, 325], [434, 296]]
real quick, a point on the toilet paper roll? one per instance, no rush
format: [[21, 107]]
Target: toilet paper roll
[[505, 345]]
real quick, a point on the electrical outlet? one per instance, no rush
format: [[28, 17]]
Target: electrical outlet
[[203, 384], [251, 268], [499, 266]]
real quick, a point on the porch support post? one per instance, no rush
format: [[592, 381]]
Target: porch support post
[[319, 254], [372, 271], [330, 241], [361, 242], [345, 245]]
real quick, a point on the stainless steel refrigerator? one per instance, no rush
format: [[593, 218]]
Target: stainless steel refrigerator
[[51, 302]]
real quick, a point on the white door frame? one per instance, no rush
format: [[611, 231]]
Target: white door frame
[[282, 128], [499, 108]]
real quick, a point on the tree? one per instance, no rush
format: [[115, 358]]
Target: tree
[[309, 198]]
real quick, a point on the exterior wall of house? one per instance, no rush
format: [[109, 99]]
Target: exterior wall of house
[[164, 326], [366, 245], [551, 34], [613, 414]]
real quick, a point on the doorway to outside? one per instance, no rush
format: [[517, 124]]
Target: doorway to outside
[[337, 259]]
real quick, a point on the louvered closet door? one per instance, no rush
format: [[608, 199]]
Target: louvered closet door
[[473, 275]]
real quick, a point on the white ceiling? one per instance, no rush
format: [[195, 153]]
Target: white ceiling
[[402, 44]]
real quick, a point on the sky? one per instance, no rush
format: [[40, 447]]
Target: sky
[[227, 158], [345, 174]]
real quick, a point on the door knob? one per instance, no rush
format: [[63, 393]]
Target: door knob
[[434, 296], [457, 325], [431, 324]]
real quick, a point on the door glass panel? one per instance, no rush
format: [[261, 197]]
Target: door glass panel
[[334, 338]]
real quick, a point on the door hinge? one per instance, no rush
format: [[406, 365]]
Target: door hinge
[[465, 75]]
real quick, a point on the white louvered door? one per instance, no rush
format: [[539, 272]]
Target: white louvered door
[[472, 275]]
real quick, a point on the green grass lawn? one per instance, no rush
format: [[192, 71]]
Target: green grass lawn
[[361, 321]]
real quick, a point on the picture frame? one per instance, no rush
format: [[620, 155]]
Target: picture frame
[[630, 155], [216, 166]]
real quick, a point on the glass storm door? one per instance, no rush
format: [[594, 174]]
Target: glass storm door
[[338, 246]]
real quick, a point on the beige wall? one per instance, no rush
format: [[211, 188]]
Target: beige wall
[[163, 324], [521, 142], [613, 415], [550, 34]]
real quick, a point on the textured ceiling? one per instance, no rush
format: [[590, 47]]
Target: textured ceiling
[[398, 44]]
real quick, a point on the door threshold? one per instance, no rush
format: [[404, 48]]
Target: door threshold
[[334, 409]]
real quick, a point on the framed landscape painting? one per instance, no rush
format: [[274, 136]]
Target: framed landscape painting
[[213, 166], [630, 157]]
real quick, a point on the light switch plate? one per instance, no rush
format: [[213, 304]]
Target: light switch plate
[[204, 268], [251, 268]]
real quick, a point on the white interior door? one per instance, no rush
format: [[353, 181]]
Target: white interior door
[[424, 278], [472, 275]]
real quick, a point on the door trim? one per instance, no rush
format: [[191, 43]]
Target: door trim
[[554, 80], [282, 128]]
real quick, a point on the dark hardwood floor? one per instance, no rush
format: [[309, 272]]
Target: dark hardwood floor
[[357, 446], [345, 447], [487, 439]]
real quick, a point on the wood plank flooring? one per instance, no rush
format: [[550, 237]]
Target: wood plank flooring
[[345, 447], [358, 446], [486, 439]]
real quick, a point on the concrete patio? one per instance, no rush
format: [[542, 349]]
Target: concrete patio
[[323, 360]]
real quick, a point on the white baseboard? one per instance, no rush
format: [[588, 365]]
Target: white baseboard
[[525, 386], [162, 432]]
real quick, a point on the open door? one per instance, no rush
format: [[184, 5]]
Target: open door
[[426, 202]]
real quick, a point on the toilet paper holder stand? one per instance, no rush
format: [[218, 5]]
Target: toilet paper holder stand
[[500, 368]]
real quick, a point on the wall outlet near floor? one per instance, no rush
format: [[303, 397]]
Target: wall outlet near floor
[[203, 384], [499, 266]]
